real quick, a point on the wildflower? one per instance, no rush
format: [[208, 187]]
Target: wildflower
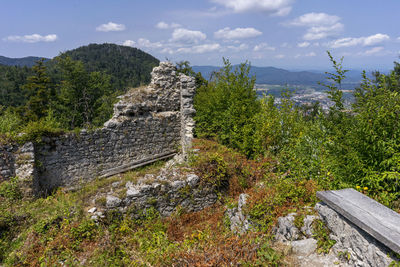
[[357, 187], [365, 188]]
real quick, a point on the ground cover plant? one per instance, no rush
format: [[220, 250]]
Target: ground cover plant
[[57, 230]]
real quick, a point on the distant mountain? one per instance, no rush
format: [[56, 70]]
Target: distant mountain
[[20, 62], [127, 66], [271, 75]]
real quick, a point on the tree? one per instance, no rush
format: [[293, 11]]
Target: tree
[[185, 68], [40, 91], [226, 104], [82, 94]]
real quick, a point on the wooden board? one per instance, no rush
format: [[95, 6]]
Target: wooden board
[[135, 164], [374, 218]]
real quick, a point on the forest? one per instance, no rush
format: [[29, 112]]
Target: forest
[[73, 90]]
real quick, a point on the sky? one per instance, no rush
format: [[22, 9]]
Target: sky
[[291, 34]]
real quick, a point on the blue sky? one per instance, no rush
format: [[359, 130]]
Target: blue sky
[[292, 34]]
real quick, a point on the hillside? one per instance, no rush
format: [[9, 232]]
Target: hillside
[[24, 61], [277, 76], [127, 66]]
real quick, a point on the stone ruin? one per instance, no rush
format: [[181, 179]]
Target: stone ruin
[[149, 123]]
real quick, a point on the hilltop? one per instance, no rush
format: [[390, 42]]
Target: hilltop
[[127, 66], [20, 62]]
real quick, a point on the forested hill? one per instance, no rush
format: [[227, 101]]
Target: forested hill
[[272, 75], [75, 89], [127, 66], [24, 61]]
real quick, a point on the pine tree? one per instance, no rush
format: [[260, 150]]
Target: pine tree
[[40, 90]]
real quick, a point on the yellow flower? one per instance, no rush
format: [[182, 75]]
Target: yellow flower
[[365, 188], [358, 187]]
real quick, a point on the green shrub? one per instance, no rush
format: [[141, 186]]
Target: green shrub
[[225, 106], [87, 229], [36, 130], [10, 189], [9, 122], [321, 233]]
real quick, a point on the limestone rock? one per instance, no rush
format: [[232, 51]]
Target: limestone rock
[[92, 210], [286, 230], [112, 202], [304, 247], [238, 222], [362, 248]]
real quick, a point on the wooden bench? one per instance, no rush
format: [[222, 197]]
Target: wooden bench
[[374, 218]]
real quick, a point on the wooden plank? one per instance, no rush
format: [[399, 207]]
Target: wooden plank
[[135, 164], [374, 218]]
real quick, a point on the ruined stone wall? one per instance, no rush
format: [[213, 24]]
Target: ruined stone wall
[[149, 123], [7, 161]]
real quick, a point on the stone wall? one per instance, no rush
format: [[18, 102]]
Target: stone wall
[[164, 192], [149, 123], [7, 161]]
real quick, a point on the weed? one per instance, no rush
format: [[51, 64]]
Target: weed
[[321, 233], [10, 189]]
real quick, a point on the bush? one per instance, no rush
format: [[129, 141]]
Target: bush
[[225, 106], [9, 122], [45, 127], [10, 189]]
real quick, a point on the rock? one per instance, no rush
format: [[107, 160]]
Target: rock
[[307, 226], [286, 230], [92, 210], [304, 247], [192, 179], [112, 202], [115, 184], [239, 224], [363, 249]]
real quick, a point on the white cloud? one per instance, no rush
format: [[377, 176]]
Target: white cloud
[[364, 41], [129, 43], [311, 54], [33, 38], [376, 39], [168, 50], [200, 49], [314, 19], [187, 36], [164, 26], [398, 39], [280, 56], [303, 44], [319, 25], [142, 42], [239, 48], [110, 27], [374, 50], [273, 7], [262, 47], [286, 45], [238, 33], [320, 32]]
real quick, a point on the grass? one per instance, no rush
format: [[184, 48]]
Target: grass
[[57, 230]]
